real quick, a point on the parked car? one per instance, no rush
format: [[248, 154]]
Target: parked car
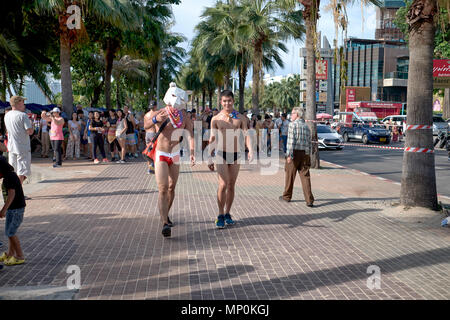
[[396, 120], [439, 124], [366, 133], [329, 138]]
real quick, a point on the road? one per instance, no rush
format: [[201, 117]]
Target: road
[[386, 163]]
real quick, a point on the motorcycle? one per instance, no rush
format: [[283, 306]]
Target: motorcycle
[[442, 140]]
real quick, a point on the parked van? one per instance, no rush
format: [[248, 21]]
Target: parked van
[[398, 119]]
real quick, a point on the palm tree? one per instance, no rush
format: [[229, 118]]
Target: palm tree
[[268, 20], [230, 39], [132, 69], [115, 12], [25, 48], [311, 15], [419, 177]]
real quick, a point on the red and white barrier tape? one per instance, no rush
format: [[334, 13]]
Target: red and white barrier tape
[[407, 149], [420, 150], [369, 146], [418, 127], [408, 127]]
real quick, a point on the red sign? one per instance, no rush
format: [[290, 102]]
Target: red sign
[[441, 68], [321, 69], [350, 95]]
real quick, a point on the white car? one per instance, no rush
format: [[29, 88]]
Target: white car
[[329, 138]]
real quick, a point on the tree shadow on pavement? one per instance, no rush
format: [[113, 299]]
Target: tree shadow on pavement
[[94, 195], [154, 282], [294, 221], [342, 200], [75, 180], [296, 284]]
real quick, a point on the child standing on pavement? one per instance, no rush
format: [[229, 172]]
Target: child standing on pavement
[[13, 211]]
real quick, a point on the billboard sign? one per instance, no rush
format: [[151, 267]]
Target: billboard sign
[[441, 73], [350, 95], [321, 69]]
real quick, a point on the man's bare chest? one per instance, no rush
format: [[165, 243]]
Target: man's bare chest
[[229, 124]]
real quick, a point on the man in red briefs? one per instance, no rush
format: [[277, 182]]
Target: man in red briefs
[[167, 155]]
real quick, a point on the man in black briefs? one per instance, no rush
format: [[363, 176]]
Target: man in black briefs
[[228, 154]]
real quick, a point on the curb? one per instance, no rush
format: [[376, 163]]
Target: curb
[[373, 176]]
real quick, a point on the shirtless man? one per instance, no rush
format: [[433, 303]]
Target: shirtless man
[[228, 153], [150, 133], [167, 158]]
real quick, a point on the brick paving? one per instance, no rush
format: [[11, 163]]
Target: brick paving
[[105, 220]]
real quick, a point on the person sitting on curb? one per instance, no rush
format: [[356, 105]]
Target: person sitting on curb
[[13, 211]]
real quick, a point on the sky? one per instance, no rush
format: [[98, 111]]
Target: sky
[[187, 16]]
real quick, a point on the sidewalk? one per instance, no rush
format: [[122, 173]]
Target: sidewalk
[[104, 219]]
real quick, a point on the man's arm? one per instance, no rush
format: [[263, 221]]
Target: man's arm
[[9, 200], [28, 125], [152, 118], [248, 140], [290, 141], [190, 128], [212, 137]]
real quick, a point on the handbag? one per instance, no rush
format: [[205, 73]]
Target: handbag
[[111, 135], [150, 149]]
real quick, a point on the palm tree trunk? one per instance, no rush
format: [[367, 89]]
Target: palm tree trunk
[[227, 82], [242, 78], [118, 102], [110, 54], [66, 77], [211, 93], [257, 62], [21, 83], [218, 98], [158, 80], [4, 84], [419, 177], [446, 107], [203, 99], [97, 93], [311, 89]]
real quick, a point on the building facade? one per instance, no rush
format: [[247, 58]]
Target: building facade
[[385, 27], [379, 64]]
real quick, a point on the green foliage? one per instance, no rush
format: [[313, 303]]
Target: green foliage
[[283, 95], [442, 38], [26, 47]]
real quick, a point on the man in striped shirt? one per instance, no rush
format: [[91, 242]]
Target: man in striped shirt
[[298, 157]]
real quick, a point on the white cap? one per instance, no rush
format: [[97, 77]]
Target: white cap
[[56, 109]]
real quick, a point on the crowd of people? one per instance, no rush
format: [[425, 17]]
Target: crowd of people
[[122, 132], [114, 135]]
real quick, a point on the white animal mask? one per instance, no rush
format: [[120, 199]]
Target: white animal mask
[[176, 97]]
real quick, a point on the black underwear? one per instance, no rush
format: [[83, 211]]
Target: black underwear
[[232, 157]]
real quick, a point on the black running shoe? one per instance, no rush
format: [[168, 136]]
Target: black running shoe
[[166, 231], [170, 222]]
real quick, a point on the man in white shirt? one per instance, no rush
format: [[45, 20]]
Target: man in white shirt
[[19, 129]]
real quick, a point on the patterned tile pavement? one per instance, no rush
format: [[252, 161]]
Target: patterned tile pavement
[[105, 221]]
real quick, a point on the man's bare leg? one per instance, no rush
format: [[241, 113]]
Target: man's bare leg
[[17, 249], [222, 170], [174, 171], [233, 171], [162, 179]]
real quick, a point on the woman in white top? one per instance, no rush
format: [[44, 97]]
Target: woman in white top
[[74, 137], [45, 138], [121, 129]]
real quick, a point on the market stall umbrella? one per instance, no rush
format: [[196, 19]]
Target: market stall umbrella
[[324, 116]]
